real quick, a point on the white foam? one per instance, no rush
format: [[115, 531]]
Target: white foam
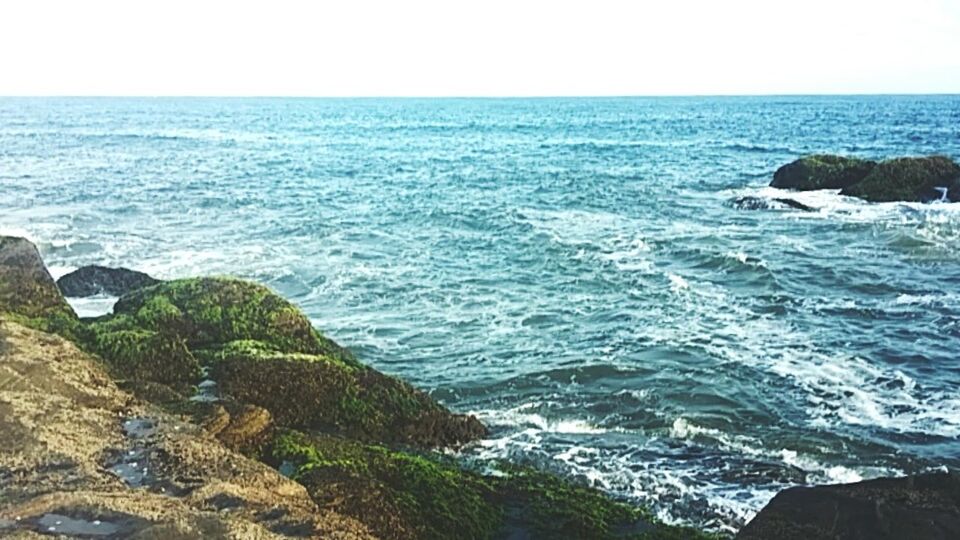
[[516, 417], [677, 283], [93, 306]]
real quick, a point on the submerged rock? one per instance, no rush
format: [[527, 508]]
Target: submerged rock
[[93, 280], [922, 179], [924, 507], [821, 172], [750, 202]]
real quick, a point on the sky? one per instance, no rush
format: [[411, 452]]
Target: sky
[[478, 47]]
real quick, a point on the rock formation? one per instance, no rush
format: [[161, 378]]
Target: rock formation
[[924, 507], [93, 280], [912, 179]]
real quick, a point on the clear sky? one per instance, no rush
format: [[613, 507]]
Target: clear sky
[[478, 47]]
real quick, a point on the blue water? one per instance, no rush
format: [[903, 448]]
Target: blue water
[[571, 270]]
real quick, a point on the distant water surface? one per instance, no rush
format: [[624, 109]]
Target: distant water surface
[[570, 270]]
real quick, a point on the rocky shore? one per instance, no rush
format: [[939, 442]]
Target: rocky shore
[[211, 408]]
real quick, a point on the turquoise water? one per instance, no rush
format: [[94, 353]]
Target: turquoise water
[[571, 270]]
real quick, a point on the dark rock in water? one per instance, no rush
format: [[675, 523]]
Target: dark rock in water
[[93, 280], [795, 204], [922, 179], [822, 172], [924, 507], [28, 292], [759, 203]]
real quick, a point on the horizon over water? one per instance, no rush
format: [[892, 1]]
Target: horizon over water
[[571, 270]]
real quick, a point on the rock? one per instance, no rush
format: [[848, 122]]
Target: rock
[[759, 203], [921, 179], [208, 312], [249, 430], [93, 280], [319, 392], [145, 355], [923, 507], [450, 502], [821, 172], [28, 292], [77, 449]]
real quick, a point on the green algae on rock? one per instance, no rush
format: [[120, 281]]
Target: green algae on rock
[[28, 293], [400, 496], [321, 392], [821, 171], [410, 496], [263, 350], [917, 179], [209, 312], [145, 355]]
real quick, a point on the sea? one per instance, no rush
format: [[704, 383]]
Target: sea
[[577, 273]]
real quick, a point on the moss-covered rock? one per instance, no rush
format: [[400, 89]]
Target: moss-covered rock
[[208, 312], [404, 496], [543, 505], [153, 333], [397, 495], [822, 171], [917, 179], [320, 392], [28, 293], [145, 355]]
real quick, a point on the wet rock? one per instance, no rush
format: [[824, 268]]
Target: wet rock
[[451, 502], [759, 203], [909, 179], [919, 179], [924, 507], [93, 280], [821, 172]]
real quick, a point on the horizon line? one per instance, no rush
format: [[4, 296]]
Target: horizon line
[[467, 96]]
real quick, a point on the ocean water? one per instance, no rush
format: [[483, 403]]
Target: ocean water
[[573, 271]]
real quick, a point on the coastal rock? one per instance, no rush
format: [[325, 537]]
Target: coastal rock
[[92, 280], [760, 203], [209, 312], [145, 355], [924, 507], [80, 457], [451, 502], [909, 179], [821, 172], [920, 179], [324, 393], [28, 292]]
